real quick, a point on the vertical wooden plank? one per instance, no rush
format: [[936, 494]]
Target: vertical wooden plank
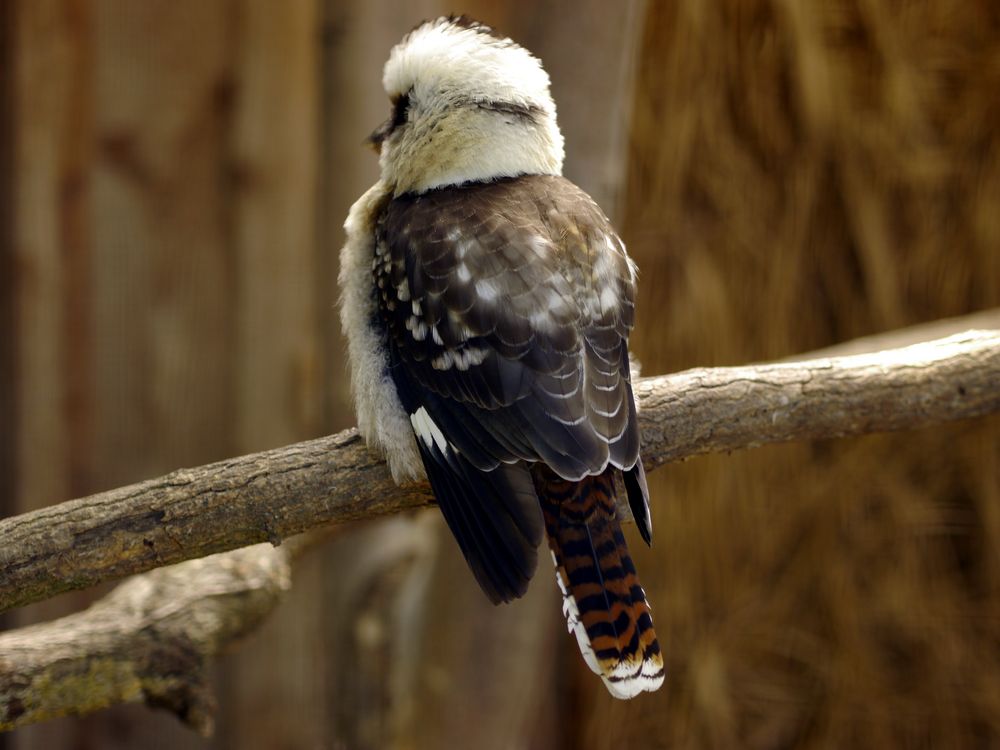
[[489, 676], [164, 299], [8, 331], [50, 90], [163, 305], [272, 693], [163, 275], [276, 166], [50, 244], [303, 680]]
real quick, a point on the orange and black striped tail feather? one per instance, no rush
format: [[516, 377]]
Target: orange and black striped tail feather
[[604, 604]]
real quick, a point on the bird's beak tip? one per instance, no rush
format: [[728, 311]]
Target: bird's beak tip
[[379, 135]]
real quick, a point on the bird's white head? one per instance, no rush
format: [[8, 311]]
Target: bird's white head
[[469, 105]]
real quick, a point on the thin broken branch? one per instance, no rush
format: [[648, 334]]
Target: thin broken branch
[[268, 496]]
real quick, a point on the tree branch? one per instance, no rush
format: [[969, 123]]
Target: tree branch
[[267, 496], [153, 637], [726, 409]]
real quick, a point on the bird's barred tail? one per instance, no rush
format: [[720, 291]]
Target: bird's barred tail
[[604, 604]]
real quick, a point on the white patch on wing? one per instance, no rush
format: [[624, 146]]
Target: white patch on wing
[[403, 291], [463, 273], [609, 297], [604, 262], [555, 302], [458, 325], [417, 328], [606, 295], [563, 394], [471, 357], [462, 359], [443, 361], [615, 438], [427, 430], [633, 269], [541, 320], [569, 422], [541, 245], [487, 290]]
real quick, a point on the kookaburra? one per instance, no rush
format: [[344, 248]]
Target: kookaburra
[[487, 303]]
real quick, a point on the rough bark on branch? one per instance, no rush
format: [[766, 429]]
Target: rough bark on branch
[[267, 496], [726, 409], [150, 639]]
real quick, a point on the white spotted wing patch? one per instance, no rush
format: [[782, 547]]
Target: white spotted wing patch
[[427, 430], [513, 301], [487, 290], [462, 359]]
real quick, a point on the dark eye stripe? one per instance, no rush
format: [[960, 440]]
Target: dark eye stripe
[[401, 107], [525, 112], [400, 110]]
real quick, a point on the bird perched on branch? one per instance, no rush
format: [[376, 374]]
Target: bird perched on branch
[[487, 303]]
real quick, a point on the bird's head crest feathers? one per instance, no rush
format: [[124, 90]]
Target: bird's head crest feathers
[[467, 105]]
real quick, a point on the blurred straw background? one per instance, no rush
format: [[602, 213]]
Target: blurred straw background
[[788, 175]]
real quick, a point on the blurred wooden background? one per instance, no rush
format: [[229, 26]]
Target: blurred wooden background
[[173, 178]]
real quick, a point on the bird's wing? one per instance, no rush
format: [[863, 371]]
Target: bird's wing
[[507, 307]]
